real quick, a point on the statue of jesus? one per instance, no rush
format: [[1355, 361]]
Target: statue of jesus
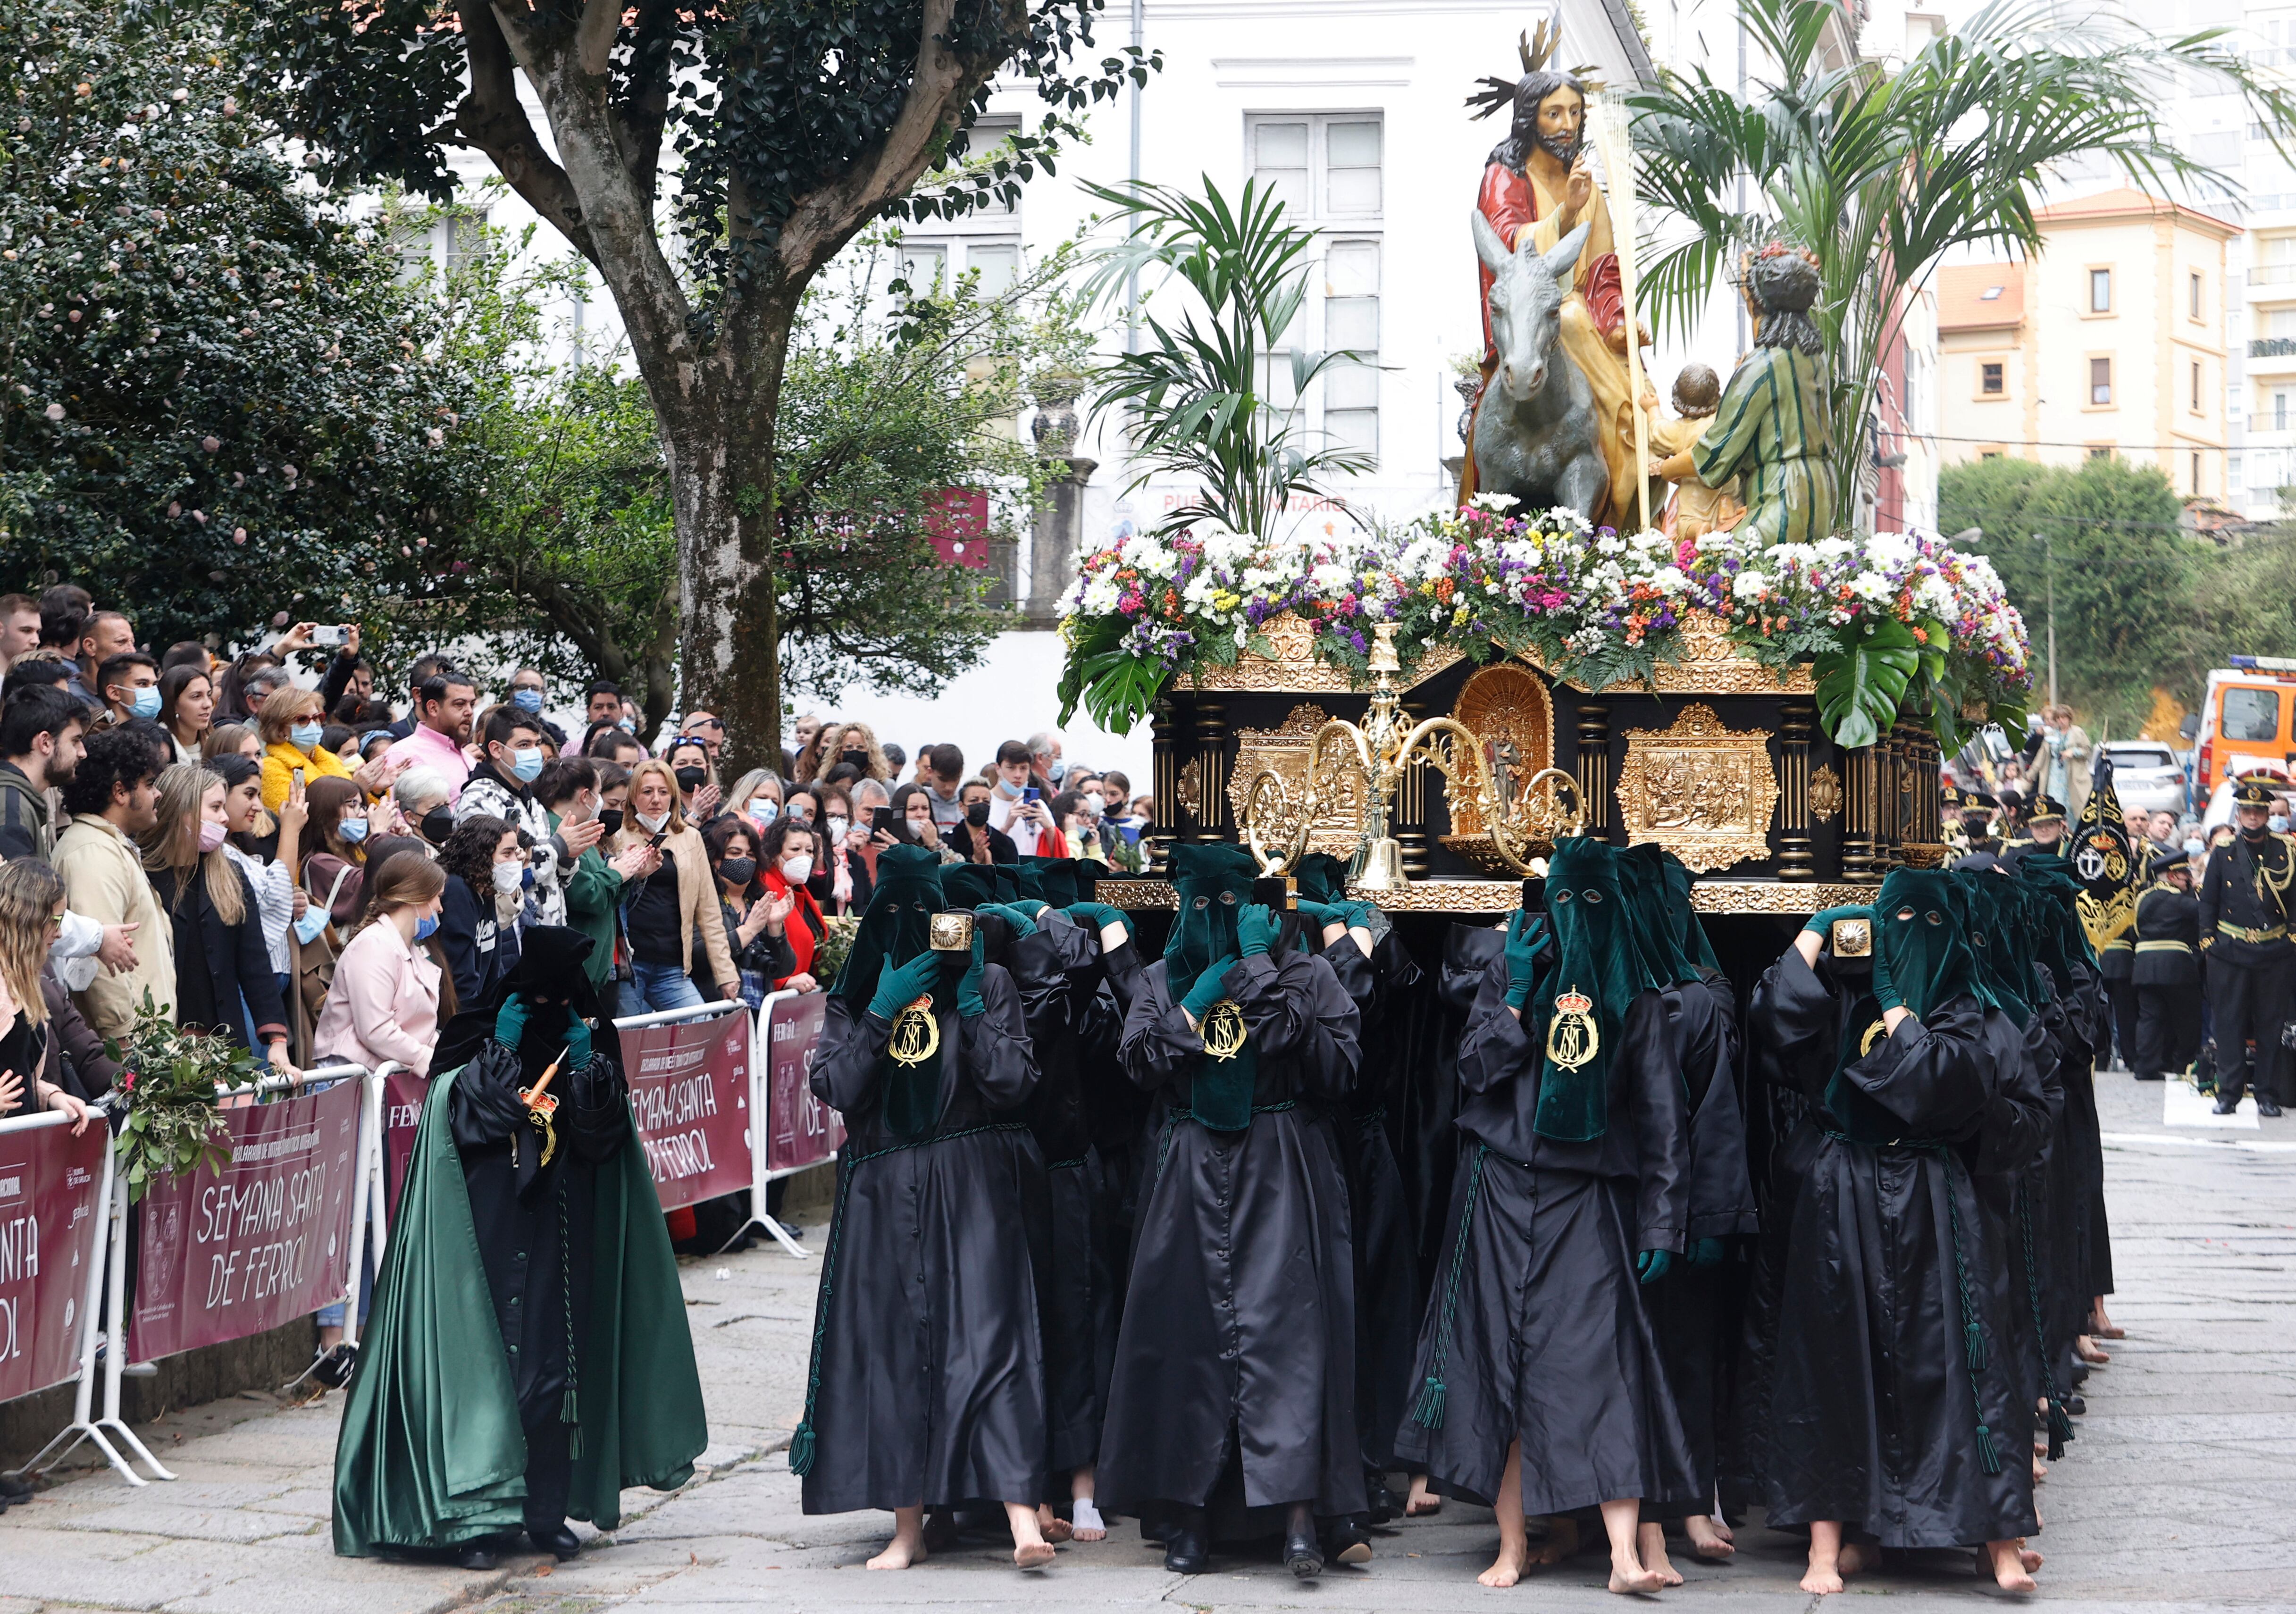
[[1537, 186]]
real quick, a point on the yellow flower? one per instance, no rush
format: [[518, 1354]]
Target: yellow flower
[[1224, 599]]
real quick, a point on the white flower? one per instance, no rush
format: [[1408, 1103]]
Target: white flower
[[1830, 549], [1498, 503], [1871, 585], [1749, 585]]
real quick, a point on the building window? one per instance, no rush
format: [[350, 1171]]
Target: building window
[[2196, 474], [1989, 377], [1327, 170], [2280, 412], [2100, 451], [2100, 384], [2193, 296], [2232, 475], [984, 242], [1989, 454], [2197, 386], [2100, 290]]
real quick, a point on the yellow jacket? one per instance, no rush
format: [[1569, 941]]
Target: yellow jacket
[[281, 760]]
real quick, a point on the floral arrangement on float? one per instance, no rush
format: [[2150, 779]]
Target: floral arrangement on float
[[1890, 622]]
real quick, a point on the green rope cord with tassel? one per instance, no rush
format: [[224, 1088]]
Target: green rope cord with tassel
[[803, 1444], [2061, 1427], [569, 1409], [1428, 1414]]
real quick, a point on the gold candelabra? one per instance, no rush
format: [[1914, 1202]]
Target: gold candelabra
[[1369, 760]]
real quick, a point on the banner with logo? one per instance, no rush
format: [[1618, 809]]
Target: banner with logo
[[403, 1093], [804, 1131], [50, 1226], [690, 1089], [265, 1240]]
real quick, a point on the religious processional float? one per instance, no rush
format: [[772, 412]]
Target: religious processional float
[[1565, 651]]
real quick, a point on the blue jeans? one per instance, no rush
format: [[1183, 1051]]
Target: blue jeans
[[659, 986]]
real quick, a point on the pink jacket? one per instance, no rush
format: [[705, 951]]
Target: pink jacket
[[384, 1003], [428, 748]]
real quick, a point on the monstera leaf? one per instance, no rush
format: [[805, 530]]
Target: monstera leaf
[[1114, 686], [1858, 689]]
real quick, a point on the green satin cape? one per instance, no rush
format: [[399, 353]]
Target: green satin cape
[[431, 1454]]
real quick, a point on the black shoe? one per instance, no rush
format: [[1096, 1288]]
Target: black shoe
[[2227, 1103], [2151, 1076], [1345, 1541], [478, 1555], [558, 1539], [2266, 1107], [940, 1532], [333, 1367], [2076, 1405], [1381, 1503], [15, 1489], [1303, 1555], [1185, 1548]]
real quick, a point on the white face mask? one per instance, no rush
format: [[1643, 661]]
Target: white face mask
[[837, 827], [509, 877], [651, 822], [798, 869]]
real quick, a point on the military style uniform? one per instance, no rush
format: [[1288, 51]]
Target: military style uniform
[[2167, 975], [1973, 812], [2047, 810], [2251, 960]]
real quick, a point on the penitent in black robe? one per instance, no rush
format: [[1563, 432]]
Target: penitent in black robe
[[1688, 1307], [1875, 1415], [1427, 1142], [1535, 1329], [928, 1350], [1238, 1341]]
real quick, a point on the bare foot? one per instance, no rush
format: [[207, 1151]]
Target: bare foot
[[1562, 1541], [1423, 1501], [2106, 1328], [1707, 1539], [1820, 1581], [2090, 1351], [1054, 1527], [1629, 1577], [1650, 1546], [1507, 1568], [1032, 1554], [2040, 1469], [901, 1553], [1088, 1526], [2009, 1570]]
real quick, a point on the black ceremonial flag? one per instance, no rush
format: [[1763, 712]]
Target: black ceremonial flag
[[2104, 861]]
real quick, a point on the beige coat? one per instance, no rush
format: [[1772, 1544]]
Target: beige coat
[[104, 880]]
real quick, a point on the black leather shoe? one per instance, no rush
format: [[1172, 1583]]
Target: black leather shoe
[[1185, 1548], [2266, 1107], [940, 1531], [559, 1540], [1303, 1555], [13, 1488], [1380, 1500], [2227, 1102], [1346, 1541], [478, 1555], [2076, 1405], [2151, 1076]]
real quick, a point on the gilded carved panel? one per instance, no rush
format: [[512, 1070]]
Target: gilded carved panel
[[1703, 791], [1283, 751]]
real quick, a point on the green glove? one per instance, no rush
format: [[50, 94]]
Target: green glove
[[1885, 990], [1023, 925], [1704, 1252], [577, 1042], [901, 985], [1822, 922], [1356, 916], [1098, 915], [1653, 1264], [970, 1003], [1207, 990], [1256, 930], [1323, 913], [510, 1022], [1031, 905], [1522, 939]]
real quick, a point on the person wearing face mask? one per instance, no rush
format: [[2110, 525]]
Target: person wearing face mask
[[1235, 1361], [755, 920], [526, 693], [220, 958], [573, 793], [130, 684], [666, 911], [501, 785], [696, 773], [388, 989], [2168, 970], [842, 881], [756, 796], [2251, 957], [1078, 813], [785, 855], [971, 837], [291, 728], [851, 745], [478, 913], [267, 851]]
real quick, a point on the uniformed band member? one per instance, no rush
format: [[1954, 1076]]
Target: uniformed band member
[[2168, 970], [1971, 814], [2044, 826], [2251, 960]]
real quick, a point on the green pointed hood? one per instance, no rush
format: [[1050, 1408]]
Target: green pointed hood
[[1689, 932], [968, 885], [1920, 931], [1597, 965], [1052, 879], [1652, 924], [896, 925], [1213, 882], [1997, 937], [1322, 878]]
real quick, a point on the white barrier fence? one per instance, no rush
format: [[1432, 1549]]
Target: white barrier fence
[[722, 1107]]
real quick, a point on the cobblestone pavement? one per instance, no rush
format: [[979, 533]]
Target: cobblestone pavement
[[2179, 1493]]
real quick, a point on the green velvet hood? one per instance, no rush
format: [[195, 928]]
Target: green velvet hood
[[1654, 924], [1921, 932], [1054, 880], [1997, 934], [1691, 934], [895, 927], [968, 885], [1597, 973], [1322, 878], [1213, 882]]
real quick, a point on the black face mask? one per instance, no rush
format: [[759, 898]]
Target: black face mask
[[609, 819], [690, 779], [738, 871], [438, 824], [859, 759], [976, 812]]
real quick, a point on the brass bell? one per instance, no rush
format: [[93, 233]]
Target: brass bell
[[1382, 869]]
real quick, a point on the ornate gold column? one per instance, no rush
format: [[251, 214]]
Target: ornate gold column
[[1410, 826], [1796, 719], [1211, 767], [1595, 766]]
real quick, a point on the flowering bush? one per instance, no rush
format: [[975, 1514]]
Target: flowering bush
[[1887, 619]]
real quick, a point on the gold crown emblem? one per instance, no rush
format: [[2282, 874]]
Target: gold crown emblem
[[1574, 1003]]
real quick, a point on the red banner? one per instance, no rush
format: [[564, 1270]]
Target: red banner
[[50, 1225], [957, 523], [403, 1093], [266, 1240], [804, 1131], [690, 1086]]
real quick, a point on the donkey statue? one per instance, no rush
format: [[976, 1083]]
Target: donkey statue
[[1535, 433]]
